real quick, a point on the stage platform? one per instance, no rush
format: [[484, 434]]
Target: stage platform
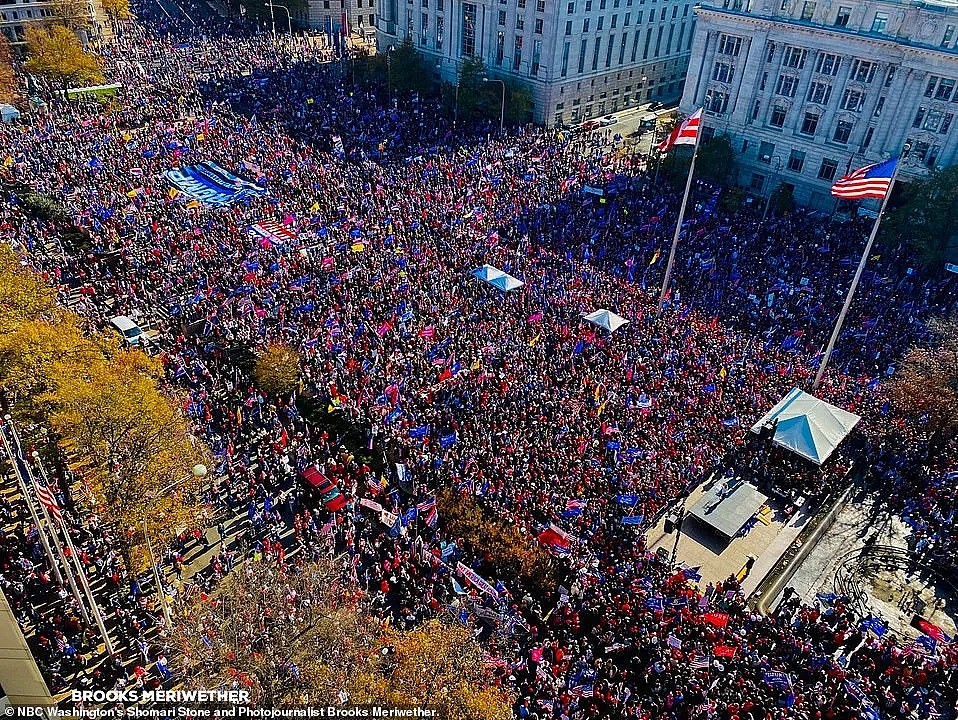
[[726, 511]]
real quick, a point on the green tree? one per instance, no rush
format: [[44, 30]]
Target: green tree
[[716, 160], [55, 53], [406, 70], [277, 369], [924, 215], [518, 104]]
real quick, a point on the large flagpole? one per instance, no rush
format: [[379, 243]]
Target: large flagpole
[[858, 273], [678, 224]]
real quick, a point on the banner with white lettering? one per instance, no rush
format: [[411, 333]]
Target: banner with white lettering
[[212, 185]]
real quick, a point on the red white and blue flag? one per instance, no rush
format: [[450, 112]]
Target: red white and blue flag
[[871, 181], [685, 133], [270, 232], [427, 511], [48, 500]]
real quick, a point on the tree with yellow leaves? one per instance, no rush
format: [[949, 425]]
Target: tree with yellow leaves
[[133, 442], [303, 636], [277, 369], [55, 53], [117, 9], [8, 77]]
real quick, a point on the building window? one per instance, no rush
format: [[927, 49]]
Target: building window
[[540, 6], [500, 47], [757, 183], [520, 22], [565, 59], [440, 31], [729, 45], [716, 101], [819, 92], [502, 17], [755, 110], [843, 131], [770, 52], [600, 23], [723, 72], [949, 36], [582, 49], [827, 169], [568, 28], [844, 13], [538, 26], [919, 117], [794, 57], [627, 19], [585, 25], [890, 76], [809, 124], [853, 100], [879, 106], [517, 50], [863, 71], [570, 8], [588, 5], [765, 152], [796, 160], [608, 50], [808, 10], [880, 22], [828, 64], [468, 29], [778, 116], [945, 89], [536, 56], [869, 134], [786, 86], [946, 123], [933, 120], [595, 53]]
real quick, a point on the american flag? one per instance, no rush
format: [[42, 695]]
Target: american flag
[[701, 662], [48, 499], [427, 510], [871, 181], [584, 691], [686, 133], [272, 232]]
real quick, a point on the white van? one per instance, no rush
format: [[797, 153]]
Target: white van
[[132, 333]]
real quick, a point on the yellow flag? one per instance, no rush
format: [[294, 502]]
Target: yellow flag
[[722, 373], [309, 101], [239, 415], [601, 408], [314, 207], [8, 162], [193, 204], [476, 365], [134, 192], [200, 138], [173, 193], [535, 340], [358, 247], [127, 137], [655, 256]]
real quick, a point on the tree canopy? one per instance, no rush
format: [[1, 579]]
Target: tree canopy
[[277, 369], [303, 635], [118, 9], [926, 387], [55, 53], [924, 215], [8, 77]]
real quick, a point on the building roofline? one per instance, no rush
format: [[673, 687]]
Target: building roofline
[[818, 28]]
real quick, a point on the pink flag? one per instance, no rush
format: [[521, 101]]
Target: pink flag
[[427, 332], [536, 317], [384, 328]]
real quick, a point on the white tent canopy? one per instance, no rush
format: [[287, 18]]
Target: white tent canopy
[[497, 278], [808, 426], [606, 320]]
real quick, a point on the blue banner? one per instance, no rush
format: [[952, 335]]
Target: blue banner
[[212, 185]]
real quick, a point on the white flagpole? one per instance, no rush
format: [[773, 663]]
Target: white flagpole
[[858, 273], [678, 224]]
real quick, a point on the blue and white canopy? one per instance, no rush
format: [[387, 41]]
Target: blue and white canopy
[[606, 319], [808, 426], [497, 278]]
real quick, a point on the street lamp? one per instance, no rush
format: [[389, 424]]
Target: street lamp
[[455, 112], [289, 18], [389, 72], [502, 108], [199, 471]]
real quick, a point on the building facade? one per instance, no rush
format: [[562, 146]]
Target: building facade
[[579, 58], [358, 16], [807, 90], [16, 15]]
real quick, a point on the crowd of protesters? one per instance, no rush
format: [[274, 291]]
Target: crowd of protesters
[[508, 397]]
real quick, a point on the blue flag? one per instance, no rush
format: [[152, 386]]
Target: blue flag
[[633, 520], [629, 499], [419, 431], [447, 440]]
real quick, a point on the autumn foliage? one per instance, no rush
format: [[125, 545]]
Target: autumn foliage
[[277, 369], [121, 432], [505, 550], [55, 53], [926, 387], [303, 636]]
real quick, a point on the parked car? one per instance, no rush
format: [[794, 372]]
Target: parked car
[[608, 120], [133, 334], [654, 105], [589, 125]]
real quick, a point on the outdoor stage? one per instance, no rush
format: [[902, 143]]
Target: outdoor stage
[[708, 536]]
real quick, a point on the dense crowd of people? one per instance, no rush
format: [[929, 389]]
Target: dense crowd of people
[[509, 397]]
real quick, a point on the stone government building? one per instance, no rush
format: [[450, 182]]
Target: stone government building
[[807, 90], [580, 58]]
